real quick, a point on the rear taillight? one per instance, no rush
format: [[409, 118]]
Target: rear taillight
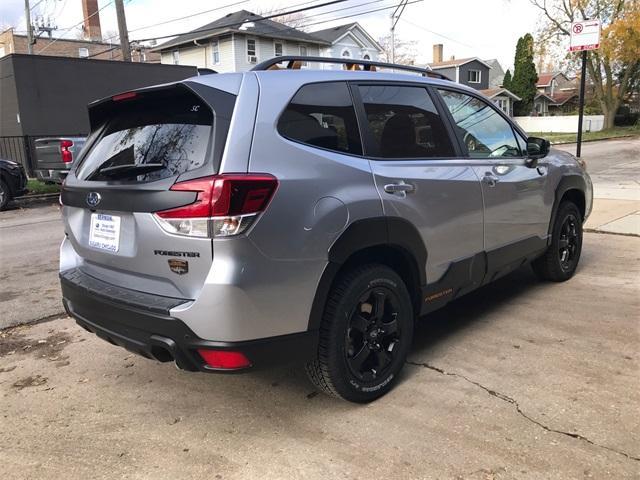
[[67, 155], [225, 205], [224, 359]]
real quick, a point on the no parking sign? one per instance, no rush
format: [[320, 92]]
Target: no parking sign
[[585, 35]]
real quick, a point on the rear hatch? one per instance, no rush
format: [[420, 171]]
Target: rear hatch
[[142, 143]]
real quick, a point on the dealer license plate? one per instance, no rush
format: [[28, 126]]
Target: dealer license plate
[[105, 232]]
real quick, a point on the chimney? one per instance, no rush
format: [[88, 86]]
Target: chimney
[[91, 24], [437, 52]]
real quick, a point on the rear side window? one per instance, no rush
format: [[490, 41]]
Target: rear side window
[[322, 115], [404, 122], [151, 138]]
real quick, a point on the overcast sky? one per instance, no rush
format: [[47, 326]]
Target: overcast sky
[[467, 28]]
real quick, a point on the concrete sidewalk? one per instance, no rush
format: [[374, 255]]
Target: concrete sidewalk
[[614, 216], [614, 167]]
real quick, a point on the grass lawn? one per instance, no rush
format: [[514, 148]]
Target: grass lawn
[[37, 187], [555, 137]]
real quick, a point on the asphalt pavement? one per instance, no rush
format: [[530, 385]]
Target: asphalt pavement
[[30, 235], [519, 379]]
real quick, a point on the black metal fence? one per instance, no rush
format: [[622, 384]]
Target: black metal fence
[[19, 149]]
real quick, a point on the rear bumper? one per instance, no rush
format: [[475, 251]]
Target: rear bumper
[[52, 175], [141, 323]]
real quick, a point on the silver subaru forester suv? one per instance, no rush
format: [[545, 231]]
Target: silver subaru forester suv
[[231, 221]]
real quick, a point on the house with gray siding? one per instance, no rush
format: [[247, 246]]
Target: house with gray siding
[[472, 72], [496, 73], [478, 74], [237, 42]]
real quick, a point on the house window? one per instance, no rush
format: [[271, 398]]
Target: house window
[[475, 76], [175, 56], [215, 52], [251, 48], [503, 105], [83, 52], [277, 49], [303, 53], [366, 57], [346, 53]]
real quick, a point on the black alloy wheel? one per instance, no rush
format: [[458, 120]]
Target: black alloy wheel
[[373, 337], [568, 242], [560, 260], [365, 334]]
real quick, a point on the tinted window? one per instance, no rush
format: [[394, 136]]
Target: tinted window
[[151, 138], [322, 115], [484, 132], [404, 122]]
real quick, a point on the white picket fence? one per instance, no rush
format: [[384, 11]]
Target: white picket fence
[[562, 124]]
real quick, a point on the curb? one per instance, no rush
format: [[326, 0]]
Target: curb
[[603, 232], [41, 196], [596, 140]]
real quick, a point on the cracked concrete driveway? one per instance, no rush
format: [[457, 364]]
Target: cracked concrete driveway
[[520, 379]]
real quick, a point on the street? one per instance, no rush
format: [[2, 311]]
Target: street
[[520, 379], [29, 242]]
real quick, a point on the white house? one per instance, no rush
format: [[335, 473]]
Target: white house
[[237, 42], [348, 41], [240, 40]]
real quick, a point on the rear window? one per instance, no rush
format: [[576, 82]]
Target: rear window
[[151, 138], [322, 115]]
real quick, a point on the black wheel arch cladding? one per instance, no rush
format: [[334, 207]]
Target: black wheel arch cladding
[[391, 232], [567, 185]]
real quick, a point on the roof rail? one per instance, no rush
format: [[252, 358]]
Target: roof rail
[[294, 62]]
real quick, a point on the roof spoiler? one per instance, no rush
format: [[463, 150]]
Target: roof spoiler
[[294, 62]]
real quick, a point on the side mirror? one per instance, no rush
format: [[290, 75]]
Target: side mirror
[[537, 148]]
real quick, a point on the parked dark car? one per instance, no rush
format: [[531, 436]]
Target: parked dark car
[[13, 182]]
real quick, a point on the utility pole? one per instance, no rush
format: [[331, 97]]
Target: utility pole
[[27, 15], [122, 30], [395, 16]]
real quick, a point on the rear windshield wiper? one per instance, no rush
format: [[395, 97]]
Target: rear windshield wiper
[[126, 170]]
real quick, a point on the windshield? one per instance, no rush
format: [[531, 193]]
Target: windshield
[[149, 139]]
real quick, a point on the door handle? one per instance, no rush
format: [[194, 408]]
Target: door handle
[[490, 179], [400, 187]]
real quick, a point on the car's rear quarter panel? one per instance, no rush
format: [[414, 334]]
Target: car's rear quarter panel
[[264, 285]]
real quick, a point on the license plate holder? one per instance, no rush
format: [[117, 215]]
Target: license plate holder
[[104, 233]]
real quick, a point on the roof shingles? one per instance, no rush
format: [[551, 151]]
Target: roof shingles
[[232, 22]]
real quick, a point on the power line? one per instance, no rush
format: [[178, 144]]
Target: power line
[[66, 30], [357, 14], [314, 23], [436, 33], [233, 24], [280, 14], [183, 18]]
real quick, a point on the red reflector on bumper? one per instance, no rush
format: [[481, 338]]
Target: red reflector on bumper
[[224, 359]]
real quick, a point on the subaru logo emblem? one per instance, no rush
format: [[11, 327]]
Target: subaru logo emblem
[[93, 199]]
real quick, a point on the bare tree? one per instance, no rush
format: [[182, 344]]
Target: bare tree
[[405, 50], [294, 20], [615, 68]]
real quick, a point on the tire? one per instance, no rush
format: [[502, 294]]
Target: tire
[[560, 261], [365, 335], [5, 195]]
